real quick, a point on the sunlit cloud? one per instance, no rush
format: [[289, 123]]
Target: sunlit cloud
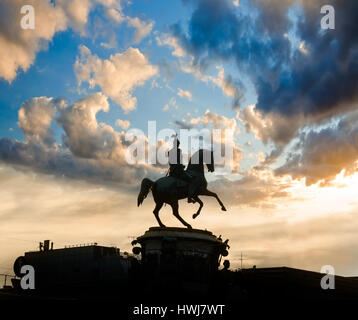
[[117, 76]]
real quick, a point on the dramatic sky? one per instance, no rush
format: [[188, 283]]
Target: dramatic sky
[[93, 69]]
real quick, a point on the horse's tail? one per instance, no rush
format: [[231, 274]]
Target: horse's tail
[[144, 190]]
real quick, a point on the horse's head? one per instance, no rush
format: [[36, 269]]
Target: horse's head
[[199, 158]]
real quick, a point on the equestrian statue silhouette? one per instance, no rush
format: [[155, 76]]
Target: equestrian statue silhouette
[[180, 183]]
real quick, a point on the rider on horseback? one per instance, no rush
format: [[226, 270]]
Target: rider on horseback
[[167, 190], [176, 168]]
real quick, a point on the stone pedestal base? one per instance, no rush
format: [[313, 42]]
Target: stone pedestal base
[[180, 258]]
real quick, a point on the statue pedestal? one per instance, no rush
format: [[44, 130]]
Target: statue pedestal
[[180, 258]]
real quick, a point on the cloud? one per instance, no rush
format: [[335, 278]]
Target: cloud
[[319, 156], [19, 47], [209, 120], [111, 44], [167, 40], [229, 86], [35, 117], [118, 76], [318, 83], [115, 15], [171, 105], [303, 48], [269, 127], [216, 120], [182, 124], [125, 124], [217, 32], [77, 13], [258, 190], [184, 94], [90, 151], [142, 28], [61, 163], [84, 136]]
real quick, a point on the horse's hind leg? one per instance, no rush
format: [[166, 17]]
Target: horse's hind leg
[[196, 198], [213, 194], [156, 213], [175, 207]]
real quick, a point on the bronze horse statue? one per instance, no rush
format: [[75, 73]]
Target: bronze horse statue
[[170, 189]]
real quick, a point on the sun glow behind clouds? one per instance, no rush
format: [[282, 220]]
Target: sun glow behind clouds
[[339, 196]]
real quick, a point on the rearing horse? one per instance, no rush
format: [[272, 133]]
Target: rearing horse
[[169, 189]]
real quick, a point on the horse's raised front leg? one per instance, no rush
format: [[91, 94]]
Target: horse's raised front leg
[[196, 198], [156, 213], [175, 207], [213, 194]]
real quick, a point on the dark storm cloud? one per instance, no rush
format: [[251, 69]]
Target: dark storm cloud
[[317, 84], [216, 31], [324, 81]]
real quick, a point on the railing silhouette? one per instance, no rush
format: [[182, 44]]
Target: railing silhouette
[[7, 279]]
